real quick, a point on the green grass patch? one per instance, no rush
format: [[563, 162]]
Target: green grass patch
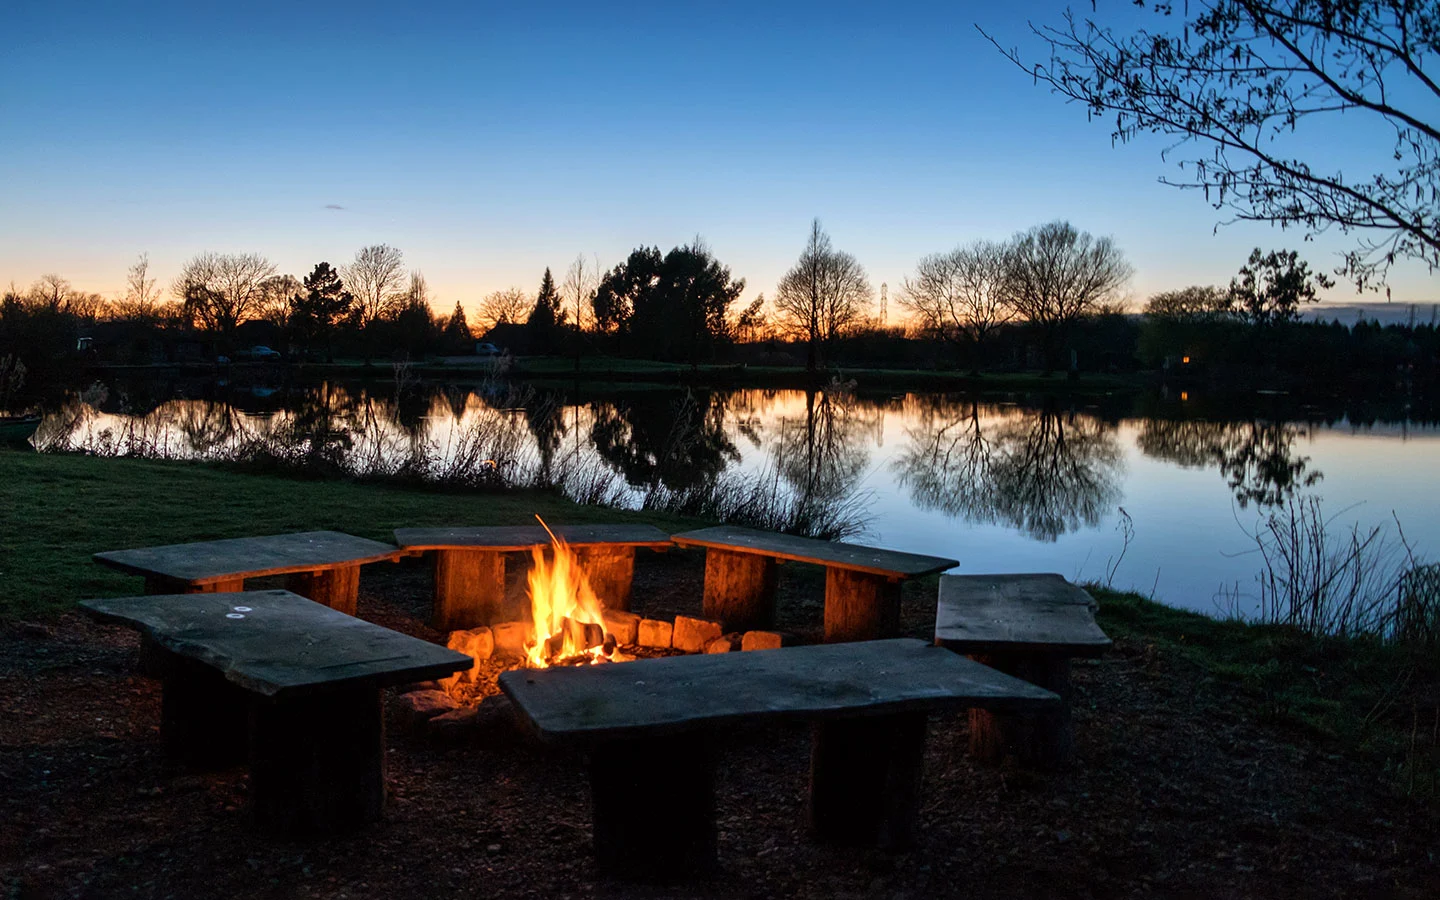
[[1360, 694], [57, 510]]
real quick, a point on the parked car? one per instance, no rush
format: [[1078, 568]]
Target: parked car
[[258, 352], [485, 348]]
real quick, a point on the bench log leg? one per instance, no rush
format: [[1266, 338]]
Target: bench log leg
[[1043, 740], [860, 606], [337, 588], [610, 571], [639, 841], [203, 717], [317, 764], [152, 656], [740, 589], [469, 589], [865, 779]]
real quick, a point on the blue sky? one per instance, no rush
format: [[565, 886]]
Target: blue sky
[[488, 141]]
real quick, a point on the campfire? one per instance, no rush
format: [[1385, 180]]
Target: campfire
[[568, 618]]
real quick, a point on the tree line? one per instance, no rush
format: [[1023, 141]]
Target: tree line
[[1050, 297]]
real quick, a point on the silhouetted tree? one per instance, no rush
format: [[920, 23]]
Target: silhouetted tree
[[961, 297], [1192, 321], [1271, 287], [546, 318], [142, 297], [511, 305], [622, 286], [1235, 77], [319, 308], [1056, 274], [221, 290], [750, 325], [671, 307], [578, 290], [457, 331], [376, 277], [824, 293]]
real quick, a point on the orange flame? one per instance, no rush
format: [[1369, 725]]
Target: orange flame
[[561, 604]]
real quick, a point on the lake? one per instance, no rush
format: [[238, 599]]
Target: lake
[[1160, 492]]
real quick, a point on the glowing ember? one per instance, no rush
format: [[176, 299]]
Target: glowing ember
[[567, 614]]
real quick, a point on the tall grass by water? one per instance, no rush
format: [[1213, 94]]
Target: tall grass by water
[[1327, 578], [494, 447]]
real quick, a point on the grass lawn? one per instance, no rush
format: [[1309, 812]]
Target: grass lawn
[[55, 511]]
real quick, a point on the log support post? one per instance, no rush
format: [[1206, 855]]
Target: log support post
[[317, 763], [1042, 740], [337, 588], [860, 606], [203, 717], [865, 779], [610, 570], [667, 841], [740, 589], [469, 588]]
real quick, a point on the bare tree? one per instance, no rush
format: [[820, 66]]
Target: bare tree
[[961, 297], [417, 293], [375, 278], [276, 293], [510, 306], [1239, 80], [822, 295], [1057, 274], [55, 294], [221, 290], [751, 324], [582, 279], [142, 294]]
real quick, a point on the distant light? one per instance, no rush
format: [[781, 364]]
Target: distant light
[[1185, 360], [1184, 395]]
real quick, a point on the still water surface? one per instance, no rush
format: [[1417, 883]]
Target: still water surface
[[1003, 484]]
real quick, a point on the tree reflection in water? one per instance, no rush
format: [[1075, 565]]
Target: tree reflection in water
[[654, 440], [1044, 471], [1258, 459], [821, 457]]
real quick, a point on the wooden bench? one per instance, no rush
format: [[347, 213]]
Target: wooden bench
[[862, 584], [322, 565], [470, 564], [650, 722], [1028, 626], [294, 683]]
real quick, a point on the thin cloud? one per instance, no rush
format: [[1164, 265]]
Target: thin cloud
[[333, 206]]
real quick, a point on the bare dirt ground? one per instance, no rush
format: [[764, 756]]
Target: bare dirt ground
[[1178, 791]]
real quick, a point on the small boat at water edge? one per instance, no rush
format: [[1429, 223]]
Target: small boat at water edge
[[15, 431]]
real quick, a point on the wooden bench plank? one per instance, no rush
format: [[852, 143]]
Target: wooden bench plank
[[833, 554], [1035, 613], [207, 562], [676, 694], [470, 564], [280, 644], [524, 537], [868, 702], [291, 684]]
